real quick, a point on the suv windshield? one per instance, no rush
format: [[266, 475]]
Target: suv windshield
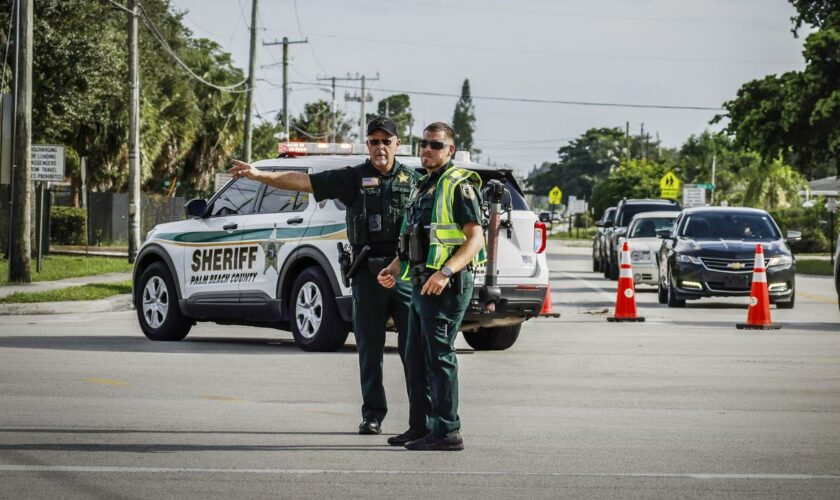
[[628, 211], [729, 226]]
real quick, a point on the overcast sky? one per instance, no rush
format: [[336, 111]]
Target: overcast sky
[[644, 52]]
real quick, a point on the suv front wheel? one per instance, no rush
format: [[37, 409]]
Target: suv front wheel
[[316, 322], [156, 302], [496, 338]]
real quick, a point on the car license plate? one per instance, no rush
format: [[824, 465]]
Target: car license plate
[[737, 282]]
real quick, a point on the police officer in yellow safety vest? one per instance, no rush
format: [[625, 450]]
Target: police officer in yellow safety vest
[[442, 240], [376, 193]]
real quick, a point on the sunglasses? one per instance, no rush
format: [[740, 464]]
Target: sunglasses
[[376, 142], [436, 145]]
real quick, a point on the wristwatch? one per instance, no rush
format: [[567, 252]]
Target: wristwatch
[[446, 271]]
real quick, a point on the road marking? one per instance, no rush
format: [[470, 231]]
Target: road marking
[[225, 399], [601, 291], [818, 298], [105, 381], [181, 470]]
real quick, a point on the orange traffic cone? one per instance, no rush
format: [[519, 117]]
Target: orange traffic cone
[[546, 307], [625, 302], [758, 314]]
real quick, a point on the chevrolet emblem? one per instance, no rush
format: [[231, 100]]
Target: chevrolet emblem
[[736, 265]]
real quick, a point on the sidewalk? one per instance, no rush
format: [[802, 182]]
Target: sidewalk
[[115, 303]]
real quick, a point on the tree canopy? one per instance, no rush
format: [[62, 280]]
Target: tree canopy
[[463, 120], [795, 114]]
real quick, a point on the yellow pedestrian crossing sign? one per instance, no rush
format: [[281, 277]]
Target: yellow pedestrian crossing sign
[[670, 186], [555, 195]]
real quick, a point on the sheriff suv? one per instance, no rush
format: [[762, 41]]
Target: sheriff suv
[[257, 255]]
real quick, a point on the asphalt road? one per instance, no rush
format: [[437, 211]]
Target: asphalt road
[[683, 405]]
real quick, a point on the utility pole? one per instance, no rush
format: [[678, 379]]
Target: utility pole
[[334, 107], [626, 143], [133, 136], [249, 96], [285, 44], [362, 98], [21, 244]]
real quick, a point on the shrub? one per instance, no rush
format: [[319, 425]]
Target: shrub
[[67, 225], [811, 222]]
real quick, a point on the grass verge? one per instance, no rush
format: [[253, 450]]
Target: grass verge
[[57, 267], [814, 266], [93, 291]]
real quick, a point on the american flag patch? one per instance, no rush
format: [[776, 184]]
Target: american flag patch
[[370, 182]]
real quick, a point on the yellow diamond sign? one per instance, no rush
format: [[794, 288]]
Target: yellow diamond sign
[[670, 186], [555, 195]]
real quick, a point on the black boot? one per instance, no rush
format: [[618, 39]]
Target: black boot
[[449, 442], [409, 435], [370, 426]]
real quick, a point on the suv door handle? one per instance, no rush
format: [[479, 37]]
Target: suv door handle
[[230, 227], [295, 220]]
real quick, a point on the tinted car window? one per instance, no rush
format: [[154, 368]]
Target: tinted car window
[[628, 211], [729, 227], [236, 199], [647, 228], [279, 200]]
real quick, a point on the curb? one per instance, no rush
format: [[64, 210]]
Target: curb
[[110, 304]]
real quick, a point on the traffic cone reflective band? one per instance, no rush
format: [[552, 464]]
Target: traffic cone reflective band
[[546, 307], [625, 302], [758, 314]]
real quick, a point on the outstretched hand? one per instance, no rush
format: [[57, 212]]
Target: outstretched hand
[[241, 169]]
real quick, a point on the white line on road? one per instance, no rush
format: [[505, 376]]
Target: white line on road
[[181, 470]]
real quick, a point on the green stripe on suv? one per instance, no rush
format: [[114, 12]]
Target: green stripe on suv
[[250, 234]]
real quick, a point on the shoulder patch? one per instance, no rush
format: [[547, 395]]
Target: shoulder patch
[[467, 190]]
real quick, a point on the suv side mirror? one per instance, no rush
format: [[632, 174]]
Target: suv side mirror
[[196, 208], [621, 231], [663, 233], [793, 236], [599, 224]]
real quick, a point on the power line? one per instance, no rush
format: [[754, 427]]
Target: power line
[[300, 32], [150, 25], [537, 101], [546, 52], [484, 8]]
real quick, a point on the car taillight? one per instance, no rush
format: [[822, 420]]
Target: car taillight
[[539, 237]]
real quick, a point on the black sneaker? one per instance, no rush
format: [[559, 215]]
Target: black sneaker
[[370, 426], [449, 442], [409, 435]]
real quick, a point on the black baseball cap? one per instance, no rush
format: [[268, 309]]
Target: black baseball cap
[[382, 123]]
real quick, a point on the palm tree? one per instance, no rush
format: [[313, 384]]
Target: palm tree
[[772, 186]]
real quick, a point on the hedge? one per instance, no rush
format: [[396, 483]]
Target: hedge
[[67, 225], [811, 222]]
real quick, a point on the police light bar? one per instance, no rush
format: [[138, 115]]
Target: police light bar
[[330, 148]]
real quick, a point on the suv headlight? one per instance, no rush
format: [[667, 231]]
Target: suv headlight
[[640, 256], [689, 259], [779, 260]]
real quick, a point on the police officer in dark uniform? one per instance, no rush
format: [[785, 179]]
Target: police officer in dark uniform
[[442, 240], [375, 193]]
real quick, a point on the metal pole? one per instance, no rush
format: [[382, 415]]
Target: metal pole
[[249, 96], [362, 117], [133, 138], [286, 85], [714, 165], [40, 227], [334, 125], [831, 232]]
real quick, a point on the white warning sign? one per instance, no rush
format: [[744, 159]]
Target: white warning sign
[[47, 163]]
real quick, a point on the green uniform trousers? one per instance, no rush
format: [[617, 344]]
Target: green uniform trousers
[[433, 324], [372, 305]]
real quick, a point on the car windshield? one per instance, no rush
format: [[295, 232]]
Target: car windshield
[[647, 227], [729, 226]]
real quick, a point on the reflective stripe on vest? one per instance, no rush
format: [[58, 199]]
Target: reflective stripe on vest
[[445, 235]]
